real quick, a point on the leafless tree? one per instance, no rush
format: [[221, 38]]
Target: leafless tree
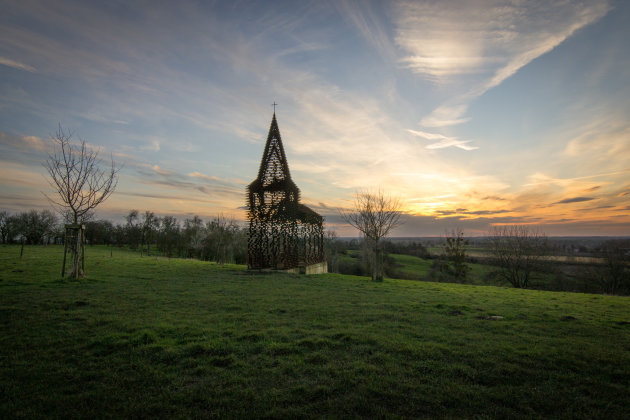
[[374, 215], [80, 183], [614, 275], [77, 177], [518, 251]]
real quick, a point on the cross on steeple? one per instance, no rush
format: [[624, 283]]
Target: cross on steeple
[[274, 106]]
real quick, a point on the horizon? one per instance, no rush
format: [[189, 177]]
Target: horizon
[[473, 115]]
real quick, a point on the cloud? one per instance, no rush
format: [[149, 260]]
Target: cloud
[[542, 179], [605, 140], [444, 141], [574, 200], [160, 171], [446, 115], [28, 143], [16, 65], [595, 188], [153, 146], [35, 142], [481, 44], [367, 20], [196, 174]]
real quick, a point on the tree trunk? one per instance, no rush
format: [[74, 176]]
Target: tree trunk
[[377, 266]]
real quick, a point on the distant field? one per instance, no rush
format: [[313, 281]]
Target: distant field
[[157, 338], [485, 253]]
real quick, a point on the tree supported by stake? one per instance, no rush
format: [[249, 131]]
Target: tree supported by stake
[[283, 234], [74, 244]]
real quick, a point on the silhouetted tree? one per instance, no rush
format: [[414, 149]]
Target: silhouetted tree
[[168, 236], [4, 226], [132, 229], [451, 266], [192, 237], [374, 215], [150, 224], [99, 232], [331, 244], [36, 227], [614, 276], [518, 251]]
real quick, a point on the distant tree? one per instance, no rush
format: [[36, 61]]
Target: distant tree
[[12, 227], [452, 263], [133, 232], [332, 247], [4, 226], [119, 235], [168, 236], [374, 215], [99, 232], [35, 227], [223, 240], [518, 251], [150, 224], [193, 235], [614, 276]]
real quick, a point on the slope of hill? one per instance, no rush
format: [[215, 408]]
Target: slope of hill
[[148, 337]]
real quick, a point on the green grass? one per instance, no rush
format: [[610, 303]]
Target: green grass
[[413, 267], [147, 337]]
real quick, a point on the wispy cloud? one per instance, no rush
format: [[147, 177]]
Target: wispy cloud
[[443, 141], [482, 44], [369, 24], [32, 143], [160, 171], [542, 179], [16, 64], [196, 174], [574, 200]]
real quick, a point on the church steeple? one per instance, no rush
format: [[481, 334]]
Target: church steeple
[[273, 166]]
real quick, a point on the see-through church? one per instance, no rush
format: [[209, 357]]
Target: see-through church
[[283, 233]]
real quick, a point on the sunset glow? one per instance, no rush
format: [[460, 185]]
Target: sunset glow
[[474, 114]]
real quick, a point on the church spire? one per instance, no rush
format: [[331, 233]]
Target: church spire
[[274, 165]]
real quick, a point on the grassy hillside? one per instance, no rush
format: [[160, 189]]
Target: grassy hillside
[[147, 337]]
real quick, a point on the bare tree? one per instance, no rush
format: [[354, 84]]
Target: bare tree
[[614, 276], [518, 251], [77, 177], [80, 182], [374, 215]]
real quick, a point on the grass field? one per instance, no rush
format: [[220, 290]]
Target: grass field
[[159, 338]]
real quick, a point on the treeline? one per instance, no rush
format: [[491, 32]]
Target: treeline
[[220, 239], [31, 227]]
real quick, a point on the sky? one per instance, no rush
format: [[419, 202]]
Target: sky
[[473, 113]]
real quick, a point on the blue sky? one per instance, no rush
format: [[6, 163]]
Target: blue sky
[[474, 113]]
